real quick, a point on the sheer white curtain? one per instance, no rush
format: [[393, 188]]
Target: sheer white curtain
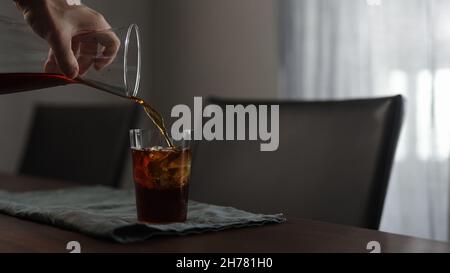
[[368, 48]]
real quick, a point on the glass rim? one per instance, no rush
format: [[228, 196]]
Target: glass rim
[[132, 29], [151, 130], [148, 138], [187, 134]]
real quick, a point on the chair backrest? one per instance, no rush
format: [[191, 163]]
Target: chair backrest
[[333, 162], [84, 144]]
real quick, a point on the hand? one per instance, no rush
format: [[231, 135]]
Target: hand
[[79, 37]]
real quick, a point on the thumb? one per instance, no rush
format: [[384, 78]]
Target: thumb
[[62, 49]]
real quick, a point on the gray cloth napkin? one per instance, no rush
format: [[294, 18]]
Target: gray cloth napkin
[[108, 213]]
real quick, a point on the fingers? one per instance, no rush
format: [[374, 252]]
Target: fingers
[[61, 45], [111, 44], [51, 65], [88, 54], [82, 54]]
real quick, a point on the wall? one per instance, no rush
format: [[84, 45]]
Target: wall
[[213, 48], [191, 48]]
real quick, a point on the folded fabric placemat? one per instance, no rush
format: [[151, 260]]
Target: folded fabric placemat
[[108, 213]]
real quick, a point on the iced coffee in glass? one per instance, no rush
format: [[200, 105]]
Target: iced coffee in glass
[[161, 177]]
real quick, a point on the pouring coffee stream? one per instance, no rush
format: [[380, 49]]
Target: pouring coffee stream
[[154, 115]]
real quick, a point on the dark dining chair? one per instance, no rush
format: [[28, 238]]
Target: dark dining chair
[[83, 144], [333, 163]]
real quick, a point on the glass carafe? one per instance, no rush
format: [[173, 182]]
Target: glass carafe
[[23, 55]]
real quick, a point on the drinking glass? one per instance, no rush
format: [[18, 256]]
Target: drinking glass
[[161, 176]]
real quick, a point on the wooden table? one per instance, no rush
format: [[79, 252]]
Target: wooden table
[[296, 235]]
